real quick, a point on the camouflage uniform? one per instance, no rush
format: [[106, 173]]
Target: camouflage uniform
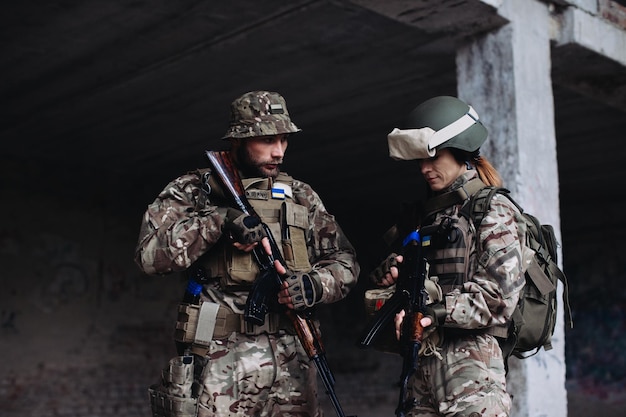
[[465, 374], [265, 374], [247, 371]]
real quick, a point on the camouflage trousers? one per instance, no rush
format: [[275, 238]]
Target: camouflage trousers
[[264, 375], [468, 381]]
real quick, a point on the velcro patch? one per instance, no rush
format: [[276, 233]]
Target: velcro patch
[[254, 194]]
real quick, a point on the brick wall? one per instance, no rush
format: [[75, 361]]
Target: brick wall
[[84, 333]]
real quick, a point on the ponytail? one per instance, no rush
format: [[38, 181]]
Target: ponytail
[[486, 172]]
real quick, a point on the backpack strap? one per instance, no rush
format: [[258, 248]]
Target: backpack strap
[[478, 207]]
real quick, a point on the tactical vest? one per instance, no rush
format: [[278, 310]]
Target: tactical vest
[[289, 222], [453, 254], [452, 250]]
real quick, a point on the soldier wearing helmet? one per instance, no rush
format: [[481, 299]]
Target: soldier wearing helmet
[[475, 274], [227, 366]]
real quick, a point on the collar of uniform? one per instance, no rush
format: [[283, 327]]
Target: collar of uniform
[[265, 188], [462, 189]]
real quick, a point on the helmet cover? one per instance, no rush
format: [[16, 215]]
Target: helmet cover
[[454, 121], [440, 122]]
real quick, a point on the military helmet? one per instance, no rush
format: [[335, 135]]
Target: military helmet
[[259, 113], [438, 113]]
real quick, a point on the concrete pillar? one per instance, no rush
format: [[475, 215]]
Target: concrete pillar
[[505, 75]]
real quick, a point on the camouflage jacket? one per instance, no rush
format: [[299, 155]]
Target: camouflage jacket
[[183, 224], [497, 258], [484, 272]]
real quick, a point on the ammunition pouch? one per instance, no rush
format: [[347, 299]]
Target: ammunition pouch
[[296, 221], [175, 396], [288, 223], [165, 405]]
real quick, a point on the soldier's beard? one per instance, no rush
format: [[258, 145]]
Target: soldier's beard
[[252, 167]]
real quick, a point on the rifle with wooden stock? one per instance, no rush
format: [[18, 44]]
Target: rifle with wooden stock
[[411, 296], [269, 281]]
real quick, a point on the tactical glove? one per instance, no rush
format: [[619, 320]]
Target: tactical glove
[[433, 334], [243, 228], [434, 302], [437, 313], [378, 275], [305, 289]]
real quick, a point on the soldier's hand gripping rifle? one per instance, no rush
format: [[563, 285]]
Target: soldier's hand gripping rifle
[[410, 295], [266, 287]]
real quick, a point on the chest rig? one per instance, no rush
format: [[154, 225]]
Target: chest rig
[[452, 250], [288, 221]]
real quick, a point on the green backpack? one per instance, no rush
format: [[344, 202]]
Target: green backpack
[[534, 318]]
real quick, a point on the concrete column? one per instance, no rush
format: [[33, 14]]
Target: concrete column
[[505, 75]]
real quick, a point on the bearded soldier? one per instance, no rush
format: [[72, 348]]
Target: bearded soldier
[[228, 366]]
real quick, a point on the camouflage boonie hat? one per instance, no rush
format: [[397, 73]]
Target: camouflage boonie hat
[[259, 113]]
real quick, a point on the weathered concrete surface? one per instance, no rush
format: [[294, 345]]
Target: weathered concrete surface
[[506, 74]]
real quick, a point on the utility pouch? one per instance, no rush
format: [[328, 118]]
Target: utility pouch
[[174, 396], [241, 268], [374, 300], [196, 323], [295, 222]]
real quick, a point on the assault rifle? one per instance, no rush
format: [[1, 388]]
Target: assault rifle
[[410, 295], [266, 287]]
